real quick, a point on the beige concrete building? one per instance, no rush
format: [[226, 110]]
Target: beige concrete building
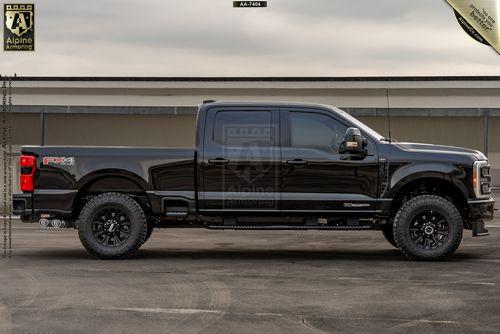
[[460, 111]]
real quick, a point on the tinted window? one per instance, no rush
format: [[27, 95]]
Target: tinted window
[[310, 130], [243, 128]]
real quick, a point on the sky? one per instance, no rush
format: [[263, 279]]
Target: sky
[[211, 38]]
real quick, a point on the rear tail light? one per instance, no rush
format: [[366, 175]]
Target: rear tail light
[[28, 168]]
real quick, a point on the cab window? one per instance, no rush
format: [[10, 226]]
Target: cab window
[[243, 128], [316, 131]]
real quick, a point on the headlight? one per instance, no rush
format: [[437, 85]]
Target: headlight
[[481, 179]]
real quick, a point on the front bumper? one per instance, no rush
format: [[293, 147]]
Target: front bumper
[[481, 209]]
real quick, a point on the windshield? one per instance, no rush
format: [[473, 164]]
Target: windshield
[[358, 124]]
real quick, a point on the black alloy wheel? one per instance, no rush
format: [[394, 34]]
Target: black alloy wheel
[[429, 229], [111, 226]]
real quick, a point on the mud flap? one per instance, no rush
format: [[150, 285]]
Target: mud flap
[[478, 229]]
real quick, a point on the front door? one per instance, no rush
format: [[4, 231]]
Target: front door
[[315, 178], [241, 160]]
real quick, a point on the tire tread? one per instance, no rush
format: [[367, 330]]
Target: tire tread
[[413, 204], [121, 199]]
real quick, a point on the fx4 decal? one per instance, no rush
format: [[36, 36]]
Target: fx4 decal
[[65, 161]]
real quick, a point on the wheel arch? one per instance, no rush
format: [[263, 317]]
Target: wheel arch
[[429, 183], [112, 180]]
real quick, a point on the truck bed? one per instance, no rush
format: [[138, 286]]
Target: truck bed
[[63, 171]]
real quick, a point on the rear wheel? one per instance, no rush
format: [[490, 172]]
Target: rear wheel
[[112, 226], [428, 227]]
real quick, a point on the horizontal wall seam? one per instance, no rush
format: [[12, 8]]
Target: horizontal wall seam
[[183, 110]]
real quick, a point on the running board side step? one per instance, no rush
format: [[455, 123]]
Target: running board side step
[[286, 227], [176, 214]]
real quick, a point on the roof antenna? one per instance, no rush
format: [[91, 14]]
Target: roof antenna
[[388, 114]]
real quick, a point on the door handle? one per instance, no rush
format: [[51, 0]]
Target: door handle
[[218, 161], [296, 162]]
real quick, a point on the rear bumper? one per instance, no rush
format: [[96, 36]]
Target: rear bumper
[[55, 202], [22, 205], [481, 209]]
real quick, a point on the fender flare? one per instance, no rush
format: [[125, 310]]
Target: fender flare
[[443, 171], [112, 172]]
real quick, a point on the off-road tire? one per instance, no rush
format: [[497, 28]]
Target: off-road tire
[[149, 232], [408, 213], [138, 226], [387, 231]]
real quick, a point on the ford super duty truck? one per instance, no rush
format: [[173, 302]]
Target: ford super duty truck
[[262, 166]]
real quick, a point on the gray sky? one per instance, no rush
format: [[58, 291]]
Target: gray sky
[[210, 38]]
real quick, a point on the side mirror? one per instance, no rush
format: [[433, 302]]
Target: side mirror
[[353, 143]]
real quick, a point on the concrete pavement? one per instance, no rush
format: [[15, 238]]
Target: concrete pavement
[[196, 280]]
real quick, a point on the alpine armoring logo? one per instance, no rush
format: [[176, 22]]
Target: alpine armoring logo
[[19, 27], [251, 177]]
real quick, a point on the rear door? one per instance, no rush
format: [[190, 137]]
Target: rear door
[[241, 160], [315, 178]]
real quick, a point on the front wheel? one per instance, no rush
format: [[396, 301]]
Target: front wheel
[[112, 226], [388, 232], [428, 227], [149, 232]]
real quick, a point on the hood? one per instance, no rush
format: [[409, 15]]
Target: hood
[[442, 149]]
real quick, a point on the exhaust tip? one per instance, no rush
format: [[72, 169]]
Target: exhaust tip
[[44, 222], [56, 223]]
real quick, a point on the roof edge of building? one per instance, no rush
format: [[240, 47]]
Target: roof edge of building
[[256, 79]]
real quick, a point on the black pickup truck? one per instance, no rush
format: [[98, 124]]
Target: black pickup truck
[[265, 166]]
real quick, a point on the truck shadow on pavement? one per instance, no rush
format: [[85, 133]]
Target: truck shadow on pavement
[[386, 255]]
